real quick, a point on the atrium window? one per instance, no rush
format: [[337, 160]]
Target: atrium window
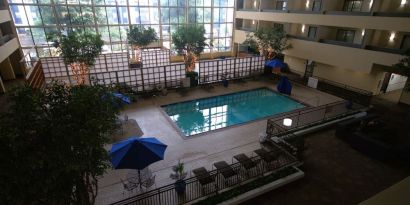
[[37, 20]]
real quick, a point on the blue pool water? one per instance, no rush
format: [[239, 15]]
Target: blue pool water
[[206, 114]]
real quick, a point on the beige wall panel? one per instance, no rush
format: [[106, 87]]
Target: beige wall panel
[[6, 70], [365, 81], [367, 22], [8, 48], [4, 16], [405, 97], [340, 56]]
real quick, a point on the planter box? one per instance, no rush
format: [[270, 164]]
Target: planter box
[[265, 188]]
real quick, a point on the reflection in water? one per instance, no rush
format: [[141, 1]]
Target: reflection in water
[[202, 115], [198, 121]]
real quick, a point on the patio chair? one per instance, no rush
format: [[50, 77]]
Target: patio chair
[[149, 182], [247, 163], [204, 178], [267, 157], [225, 169], [128, 186]]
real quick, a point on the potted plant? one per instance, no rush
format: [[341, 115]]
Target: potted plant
[[189, 41], [140, 37], [79, 50], [270, 42], [179, 175]]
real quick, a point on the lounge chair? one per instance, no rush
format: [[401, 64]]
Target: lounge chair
[[204, 178], [225, 169], [267, 157], [246, 162]]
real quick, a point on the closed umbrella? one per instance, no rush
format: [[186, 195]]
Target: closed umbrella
[[136, 153], [122, 97]]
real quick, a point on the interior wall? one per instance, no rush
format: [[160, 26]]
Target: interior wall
[[370, 82], [296, 64], [393, 6], [396, 82], [6, 70], [405, 97], [332, 5]]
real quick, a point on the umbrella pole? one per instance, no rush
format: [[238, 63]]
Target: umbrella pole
[[139, 179]]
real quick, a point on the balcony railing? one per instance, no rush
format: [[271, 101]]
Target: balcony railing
[[302, 119], [387, 50], [301, 37], [340, 43], [349, 13], [194, 190], [391, 14], [344, 13], [246, 29]]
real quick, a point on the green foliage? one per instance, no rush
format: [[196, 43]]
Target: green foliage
[[179, 173], [52, 144], [140, 36], [81, 47], [189, 39], [224, 196], [272, 38]]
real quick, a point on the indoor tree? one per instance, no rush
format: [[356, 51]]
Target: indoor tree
[[140, 37], [268, 41], [52, 144], [189, 41], [79, 50]]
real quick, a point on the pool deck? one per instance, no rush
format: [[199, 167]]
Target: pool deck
[[199, 151]]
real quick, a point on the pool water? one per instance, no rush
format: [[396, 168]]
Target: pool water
[[206, 114]]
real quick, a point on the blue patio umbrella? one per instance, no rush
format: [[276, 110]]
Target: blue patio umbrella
[[122, 97], [275, 63], [136, 153]]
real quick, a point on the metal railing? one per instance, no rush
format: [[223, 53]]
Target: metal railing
[[347, 92], [167, 195], [303, 118], [212, 71]]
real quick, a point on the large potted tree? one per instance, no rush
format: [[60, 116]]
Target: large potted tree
[[189, 41], [53, 141], [139, 37], [79, 50], [269, 42]]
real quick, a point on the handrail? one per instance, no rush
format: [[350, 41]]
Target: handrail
[[193, 192], [317, 115]]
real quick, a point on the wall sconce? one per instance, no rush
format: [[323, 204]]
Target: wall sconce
[[253, 21], [363, 32], [303, 28], [254, 3], [307, 4], [370, 3], [287, 122], [403, 2], [392, 36]]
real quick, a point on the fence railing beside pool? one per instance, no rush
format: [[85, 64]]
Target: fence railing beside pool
[[307, 117], [114, 68], [195, 191]]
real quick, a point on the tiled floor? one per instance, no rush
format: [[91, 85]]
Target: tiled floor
[[198, 151]]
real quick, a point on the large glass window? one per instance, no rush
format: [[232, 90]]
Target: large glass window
[[345, 35], [353, 5], [37, 21]]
